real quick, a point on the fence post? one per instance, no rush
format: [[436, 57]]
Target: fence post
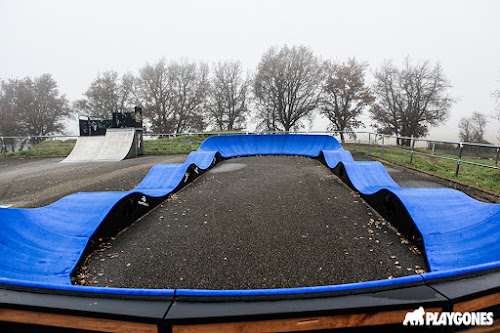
[[2, 145], [383, 143], [355, 139], [433, 147], [29, 144], [496, 158], [459, 158], [369, 143], [190, 143], [412, 148]]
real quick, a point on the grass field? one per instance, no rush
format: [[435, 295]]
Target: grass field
[[173, 145], [482, 177], [485, 178], [158, 146], [47, 148]]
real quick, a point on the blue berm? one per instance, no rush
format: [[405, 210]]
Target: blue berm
[[40, 247]]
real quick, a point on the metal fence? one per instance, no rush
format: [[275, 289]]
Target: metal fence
[[485, 155], [375, 144]]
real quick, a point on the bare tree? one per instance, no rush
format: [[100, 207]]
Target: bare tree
[[154, 90], [496, 115], [471, 129], [129, 92], [32, 106], [189, 94], [108, 93], [345, 95], [227, 105], [465, 129], [479, 122], [10, 124], [173, 95], [287, 87], [411, 99]]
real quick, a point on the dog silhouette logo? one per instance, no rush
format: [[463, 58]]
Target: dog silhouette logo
[[414, 318]]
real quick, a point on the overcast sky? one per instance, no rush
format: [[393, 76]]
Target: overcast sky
[[74, 40]]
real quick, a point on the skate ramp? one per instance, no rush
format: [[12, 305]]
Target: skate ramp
[[116, 145], [85, 149]]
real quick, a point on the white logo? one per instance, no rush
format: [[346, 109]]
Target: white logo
[[419, 318], [415, 317], [143, 201]]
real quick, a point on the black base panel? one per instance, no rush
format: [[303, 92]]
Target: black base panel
[[183, 312], [137, 310], [459, 290]]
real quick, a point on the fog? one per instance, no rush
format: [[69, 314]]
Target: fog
[[74, 41]]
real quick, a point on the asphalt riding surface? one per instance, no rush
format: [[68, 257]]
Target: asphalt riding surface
[[255, 222], [41, 181]]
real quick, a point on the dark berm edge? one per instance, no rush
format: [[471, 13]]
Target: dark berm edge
[[165, 311]]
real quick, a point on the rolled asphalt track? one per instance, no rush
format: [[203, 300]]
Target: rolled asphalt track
[[319, 250], [258, 222], [40, 181]]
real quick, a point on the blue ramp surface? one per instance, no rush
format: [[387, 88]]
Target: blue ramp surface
[[42, 246]]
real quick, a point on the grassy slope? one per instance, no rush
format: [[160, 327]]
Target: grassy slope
[[485, 178], [48, 148]]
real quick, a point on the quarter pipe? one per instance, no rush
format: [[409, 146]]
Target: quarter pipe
[[116, 145]]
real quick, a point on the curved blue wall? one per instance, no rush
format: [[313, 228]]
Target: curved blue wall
[[41, 247]]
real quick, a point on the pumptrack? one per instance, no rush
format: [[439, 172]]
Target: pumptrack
[[40, 249]]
